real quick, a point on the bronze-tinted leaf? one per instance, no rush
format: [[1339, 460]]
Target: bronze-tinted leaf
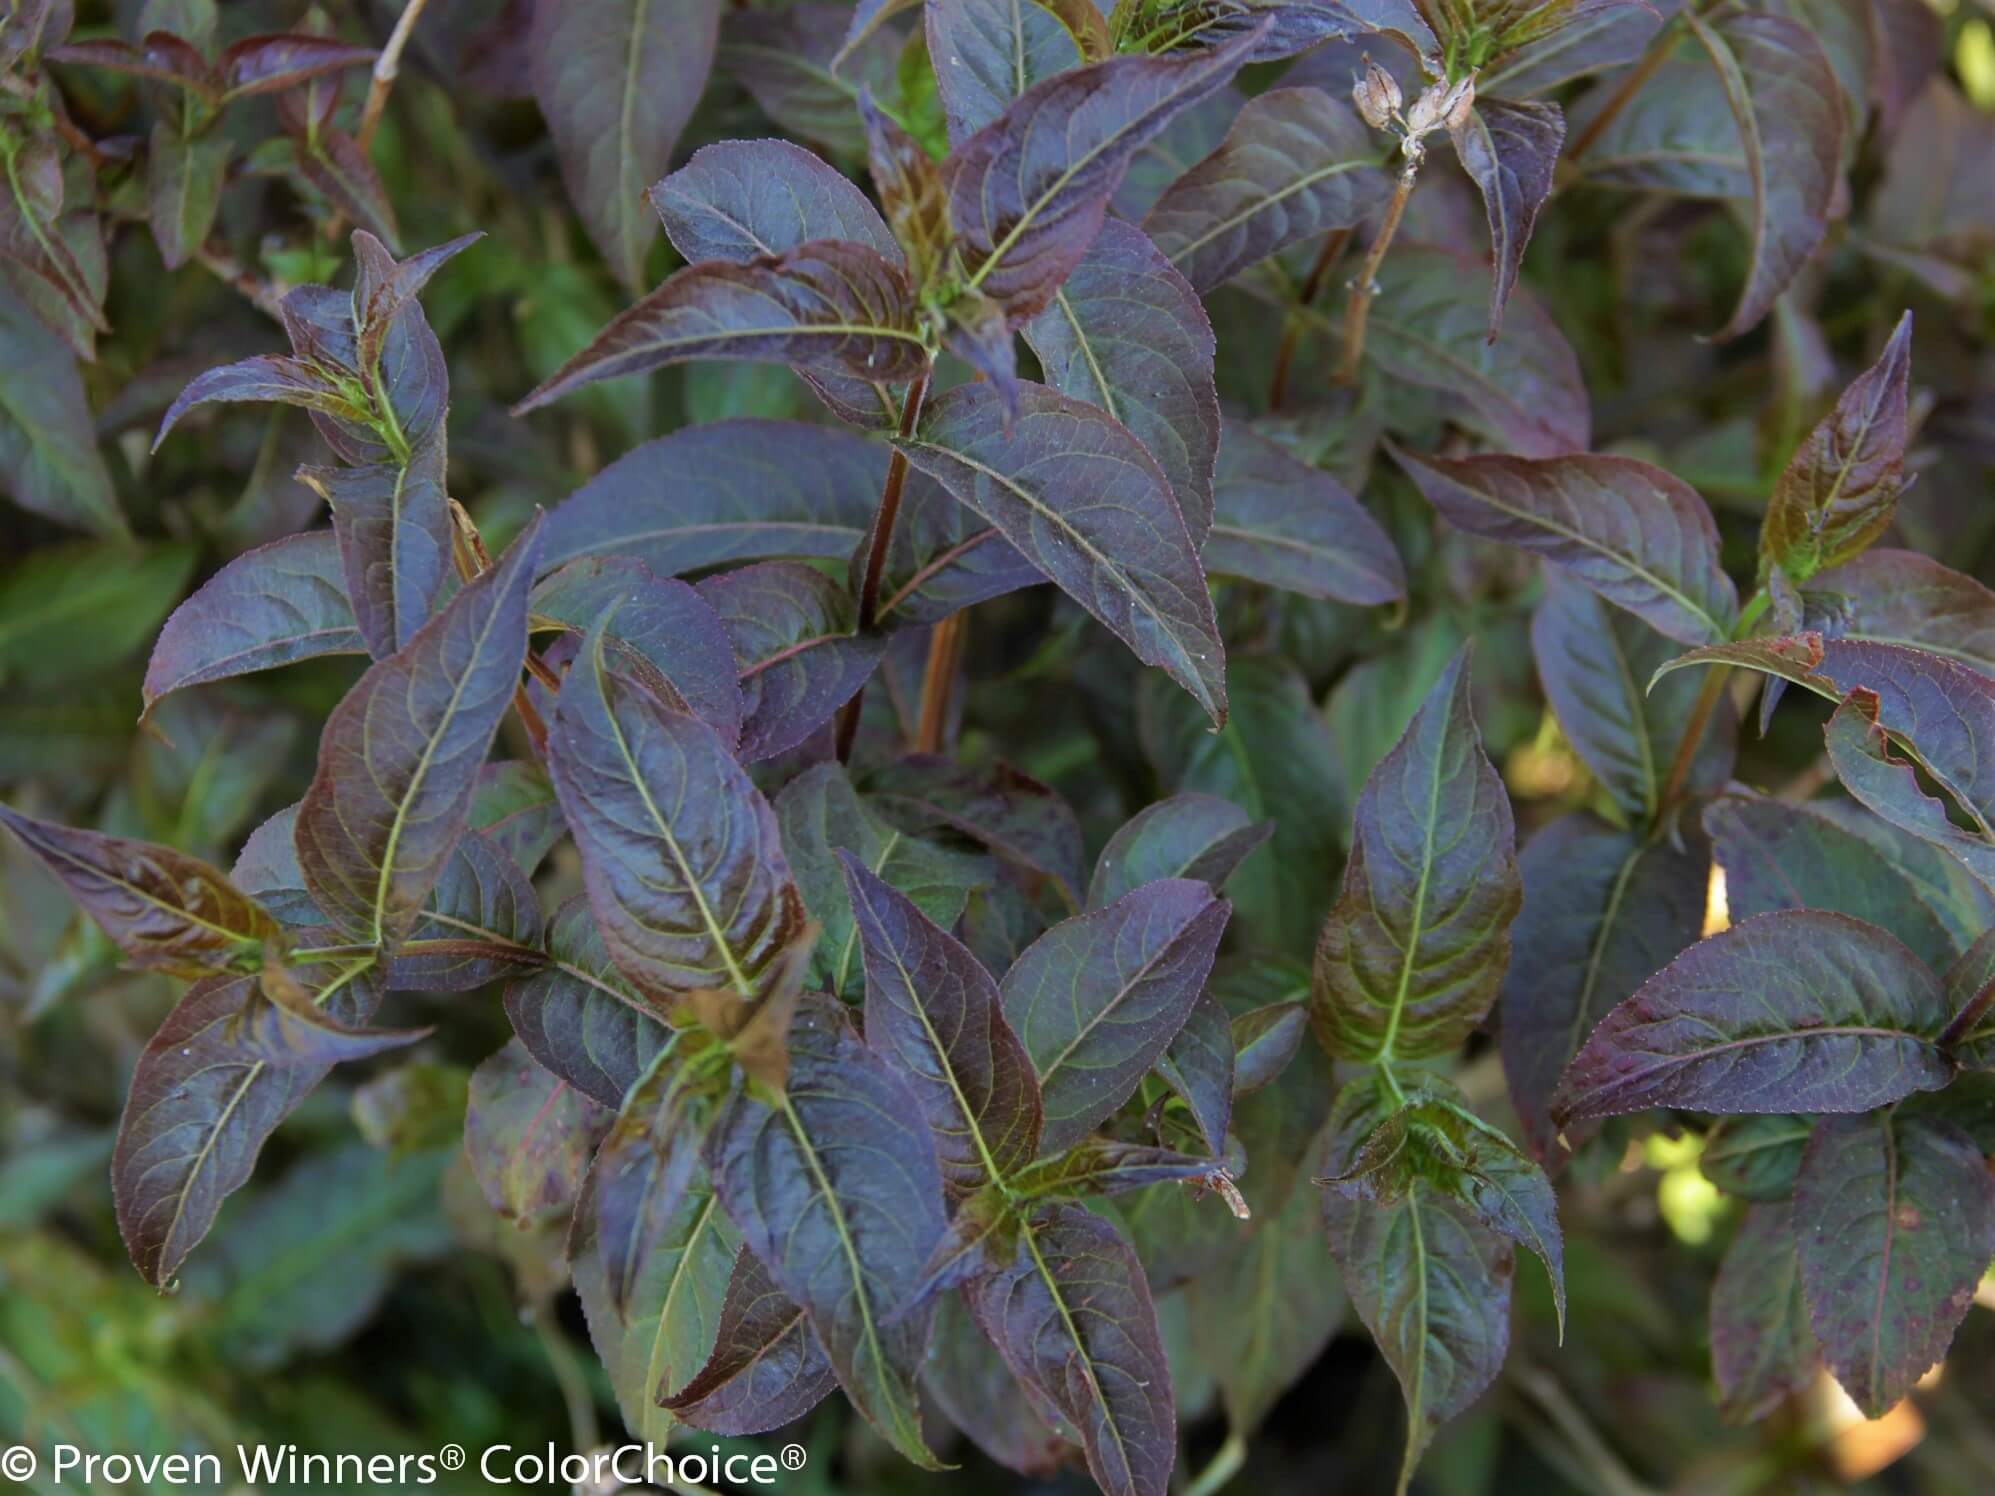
[[392, 521], [1762, 1351], [1509, 150], [399, 758], [167, 911], [482, 924], [529, 1136], [1837, 492], [1411, 955], [767, 1368]]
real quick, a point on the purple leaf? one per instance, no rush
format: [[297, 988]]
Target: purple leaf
[[1199, 1067], [944, 558], [1081, 499], [830, 306], [392, 521], [1837, 493], [842, 1203], [742, 490], [741, 200], [1901, 597], [1104, 1166], [669, 624], [267, 377], [647, 1173], [482, 924], [1285, 524], [203, 1100], [332, 163], [1636, 535], [988, 52], [1071, 1315], [1013, 814], [796, 646], [1028, 191], [1604, 910], [767, 1368], [1762, 1351], [265, 64], [1595, 40], [1125, 332], [1896, 1219], [1781, 856], [1265, 1040], [799, 66], [970, 1383], [578, 1017], [1098, 998], [1297, 164], [1185, 836], [1509, 150], [1784, 98], [1430, 326], [281, 602], [385, 289], [679, 850], [165, 910], [529, 1136], [399, 757], [183, 181], [31, 235], [1843, 1019], [617, 80], [514, 806], [934, 1013], [1595, 663], [1410, 957]]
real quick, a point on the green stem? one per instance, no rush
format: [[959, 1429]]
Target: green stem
[[1222, 1468]]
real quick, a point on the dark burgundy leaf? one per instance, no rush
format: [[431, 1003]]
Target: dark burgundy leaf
[[1297, 164], [1843, 1019], [1071, 1315], [1510, 150], [831, 306], [1284, 524], [767, 1368], [740, 200], [1199, 1067], [796, 646], [1762, 1351], [482, 924], [281, 602], [392, 521], [1028, 191], [578, 1017], [679, 850], [1896, 1219], [264, 64], [399, 758], [1635, 534], [1011, 813], [1103, 1166]]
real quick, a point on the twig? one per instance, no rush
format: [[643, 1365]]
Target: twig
[[386, 67], [1623, 95], [1693, 735], [1366, 285], [881, 533], [945, 654], [226, 268]]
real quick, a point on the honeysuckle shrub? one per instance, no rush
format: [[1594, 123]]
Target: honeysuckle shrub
[[1039, 722]]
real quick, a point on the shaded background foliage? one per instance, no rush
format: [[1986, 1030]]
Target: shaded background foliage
[[153, 223]]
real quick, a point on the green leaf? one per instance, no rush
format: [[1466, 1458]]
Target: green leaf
[[1184, 836], [72, 610], [820, 815], [1411, 955], [1896, 1217], [183, 181], [49, 463]]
